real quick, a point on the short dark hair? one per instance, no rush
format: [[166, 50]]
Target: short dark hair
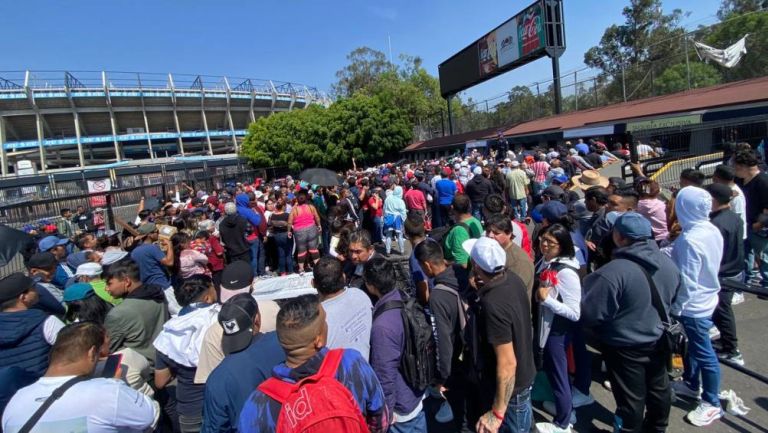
[[631, 196], [75, 340], [65, 210], [379, 273], [725, 172], [461, 204], [414, 227], [90, 309], [192, 288], [499, 222], [598, 193], [123, 269], [746, 158], [429, 251], [494, 203], [360, 236], [145, 213], [563, 237], [328, 275], [694, 176], [80, 240], [297, 313]]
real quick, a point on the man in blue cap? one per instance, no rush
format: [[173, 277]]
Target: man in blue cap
[[617, 303], [56, 246]]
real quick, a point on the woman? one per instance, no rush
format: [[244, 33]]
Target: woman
[[177, 358], [192, 261], [395, 213], [304, 226], [652, 208], [376, 211], [559, 297], [278, 226]]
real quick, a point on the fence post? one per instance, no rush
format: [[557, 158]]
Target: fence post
[[110, 213], [594, 87], [576, 88]]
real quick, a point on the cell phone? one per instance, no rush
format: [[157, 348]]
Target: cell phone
[[108, 367]]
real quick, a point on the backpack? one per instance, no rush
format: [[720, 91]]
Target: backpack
[[418, 363], [440, 233], [318, 403]]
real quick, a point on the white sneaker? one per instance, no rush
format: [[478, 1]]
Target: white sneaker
[[607, 385], [681, 389], [738, 298], [579, 399], [444, 414], [704, 414], [546, 427], [549, 407], [714, 333]]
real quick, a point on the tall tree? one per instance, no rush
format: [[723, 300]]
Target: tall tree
[[364, 69], [731, 7]]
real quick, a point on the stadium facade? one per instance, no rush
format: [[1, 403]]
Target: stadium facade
[[52, 120]]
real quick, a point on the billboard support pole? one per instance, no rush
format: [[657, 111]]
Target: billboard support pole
[[450, 115], [556, 84]]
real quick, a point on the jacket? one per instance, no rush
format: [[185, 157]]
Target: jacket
[[448, 324], [616, 298], [387, 345], [244, 208], [232, 231], [137, 321], [22, 342], [561, 309], [697, 252], [478, 188], [394, 204], [182, 336], [731, 228]]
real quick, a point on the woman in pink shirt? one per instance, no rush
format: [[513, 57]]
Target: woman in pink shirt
[[652, 208]]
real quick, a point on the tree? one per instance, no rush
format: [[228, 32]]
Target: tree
[[737, 7], [365, 68], [675, 78]]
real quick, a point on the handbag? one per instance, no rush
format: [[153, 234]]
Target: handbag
[[55, 395], [673, 336]]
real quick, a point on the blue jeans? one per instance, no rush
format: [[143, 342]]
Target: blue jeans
[[284, 252], [701, 359], [258, 258], [757, 248], [477, 210], [378, 229], [519, 208], [416, 425], [519, 416]]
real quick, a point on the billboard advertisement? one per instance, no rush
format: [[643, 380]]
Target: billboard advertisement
[[517, 41]]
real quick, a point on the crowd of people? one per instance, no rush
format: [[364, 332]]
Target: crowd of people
[[515, 263]]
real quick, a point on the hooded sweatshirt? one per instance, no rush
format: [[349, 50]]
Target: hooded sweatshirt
[[137, 321], [617, 297], [394, 204], [244, 208], [232, 231], [697, 252], [448, 323], [479, 188]]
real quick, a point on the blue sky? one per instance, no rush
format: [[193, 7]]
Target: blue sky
[[290, 40]]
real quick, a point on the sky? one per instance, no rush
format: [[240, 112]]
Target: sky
[[300, 41]]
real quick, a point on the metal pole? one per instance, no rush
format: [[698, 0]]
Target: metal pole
[[450, 116], [576, 87], [442, 121], [556, 84], [623, 82], [594, 87], [687, 61]]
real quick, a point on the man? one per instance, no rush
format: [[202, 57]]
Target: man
[[593, 158], [66, 226], [617, 304], [467, 227], [415, 201], [478, 188], [151, 260], [83, 219], [731, 272], [232, 230], [139, 318], [447, 307], [698, 252], [598, 228], [726, 175], [360, 251], [446, 190], [517, 190], [502, 398], [500, 229], [348, 311], [26, 333], [387, 348], [581, 146], [259, 226], [250, 356], [87, 404], [42, 268], [415, 233], [540, 169], [754, 183], [302, 331], [56, 246]]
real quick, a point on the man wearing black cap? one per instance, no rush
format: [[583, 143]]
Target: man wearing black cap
[[250, 356], [617, 303], [42, 269], [26, 334]]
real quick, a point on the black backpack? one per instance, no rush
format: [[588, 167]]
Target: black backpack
[[418, 362], [440, 233]]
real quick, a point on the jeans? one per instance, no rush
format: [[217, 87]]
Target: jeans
[[640, 385], [477, 210], [701, 359], [416, 425], [258, 258], [723, 316], [519, 208], [190, 424], [519, 415], [378, 227], [445, 215], [284, 252], [757, 250]]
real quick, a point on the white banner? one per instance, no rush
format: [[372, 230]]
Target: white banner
[[728, 57]]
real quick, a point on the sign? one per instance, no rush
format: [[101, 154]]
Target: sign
[[25, 167], [666, 122], [101, 185], [530, 30]]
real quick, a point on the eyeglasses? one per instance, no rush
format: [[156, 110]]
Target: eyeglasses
[[548, 241]]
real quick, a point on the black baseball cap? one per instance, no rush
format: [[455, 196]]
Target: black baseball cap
[[236, 278], [236, 319], [14, 285], [44, 260]]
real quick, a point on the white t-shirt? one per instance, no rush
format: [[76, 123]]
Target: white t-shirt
[[51, 328], [349, 317], [93, 406], [739, 206]]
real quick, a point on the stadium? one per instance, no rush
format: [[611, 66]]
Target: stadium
[[54, 120]]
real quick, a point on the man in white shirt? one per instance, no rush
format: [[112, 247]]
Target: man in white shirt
[[349, 312], [98, 405]]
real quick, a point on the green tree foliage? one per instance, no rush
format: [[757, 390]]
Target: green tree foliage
[[738, 23], [364, 69], [738, 7], [675, 78], [362, 126]]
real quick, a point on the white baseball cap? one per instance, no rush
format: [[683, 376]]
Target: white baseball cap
[[486, 253]]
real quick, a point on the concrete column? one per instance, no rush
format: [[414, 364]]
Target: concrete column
[[146, 128], [40, 138], [80, 154], [180, 141], [113, 124], [3, 154], [207, 133], [253, 100]]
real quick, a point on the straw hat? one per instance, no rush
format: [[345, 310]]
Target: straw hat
[[588, 179]]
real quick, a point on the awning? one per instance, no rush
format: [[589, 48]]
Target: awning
[[476, 143], [590, 131]]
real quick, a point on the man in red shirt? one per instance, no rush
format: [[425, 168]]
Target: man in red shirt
[[376, 211], [415, 201]]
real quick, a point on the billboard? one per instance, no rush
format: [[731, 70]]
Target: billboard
[[519, 40]]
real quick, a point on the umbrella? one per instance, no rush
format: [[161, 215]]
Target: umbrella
[[319, 176], [12, 242]]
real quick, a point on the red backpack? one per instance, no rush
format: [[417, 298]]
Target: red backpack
[[318, 403]]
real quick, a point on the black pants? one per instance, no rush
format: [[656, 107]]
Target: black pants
[[445, 215], [725, 322], [640, 386]]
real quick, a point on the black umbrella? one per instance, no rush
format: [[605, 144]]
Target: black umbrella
[[319, 176], [12, 242]]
